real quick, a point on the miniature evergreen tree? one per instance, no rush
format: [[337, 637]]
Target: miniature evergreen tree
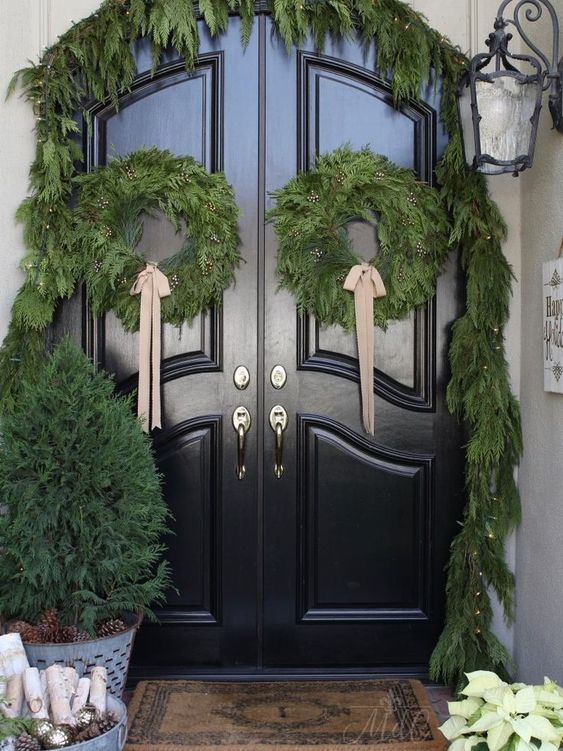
[[83, 513]]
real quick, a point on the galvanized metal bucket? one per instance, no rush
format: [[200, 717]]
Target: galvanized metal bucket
[[114, 652], [114, 740]]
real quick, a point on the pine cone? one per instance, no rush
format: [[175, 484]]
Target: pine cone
[[68, 634], [32, 635], [49, 634], [17, 627], [27, 743], [92, 731], [50, 619], [83, 636], [108, 722], [110, 626]]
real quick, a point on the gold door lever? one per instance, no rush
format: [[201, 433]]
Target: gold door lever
[[241, 423], [278, 423]]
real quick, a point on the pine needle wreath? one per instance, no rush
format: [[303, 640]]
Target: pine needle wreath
[[315, 253], [113, 201]]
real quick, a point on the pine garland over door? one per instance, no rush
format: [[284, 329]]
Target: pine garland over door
[[94, 57]]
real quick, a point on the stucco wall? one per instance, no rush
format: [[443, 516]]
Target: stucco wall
[[26, 26], [539, 567]]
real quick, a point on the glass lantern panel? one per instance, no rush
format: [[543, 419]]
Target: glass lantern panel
[[466, 122], [506, 106]]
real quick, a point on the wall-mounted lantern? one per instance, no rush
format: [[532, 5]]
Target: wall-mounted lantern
[[500, 95]]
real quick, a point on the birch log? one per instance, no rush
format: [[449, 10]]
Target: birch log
[[60, 705], [71, 682], [14, 696], [3, 686], [45, 690], [13, 660], [98, 689], [34, 694], [81, 696]]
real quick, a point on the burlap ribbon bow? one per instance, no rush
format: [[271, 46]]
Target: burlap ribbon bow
[[152, 285], [366, 284]]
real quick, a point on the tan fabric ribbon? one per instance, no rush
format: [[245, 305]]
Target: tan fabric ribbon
[[152, 285], [366, 284]]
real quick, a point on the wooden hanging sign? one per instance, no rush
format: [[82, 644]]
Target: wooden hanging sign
[[553, 324]]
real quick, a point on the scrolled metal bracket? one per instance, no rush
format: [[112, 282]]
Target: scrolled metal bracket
[[533, 11]]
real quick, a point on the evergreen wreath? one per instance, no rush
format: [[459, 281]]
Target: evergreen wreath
[[315, 254], [94, 58], [109, 224]]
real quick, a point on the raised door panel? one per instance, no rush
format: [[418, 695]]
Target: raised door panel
[[343, 103], [189, 460], [364, 520], [183, 113]]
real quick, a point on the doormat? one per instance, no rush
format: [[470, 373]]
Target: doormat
[[390, 715]]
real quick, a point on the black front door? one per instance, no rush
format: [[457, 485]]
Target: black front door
[[338, 564]]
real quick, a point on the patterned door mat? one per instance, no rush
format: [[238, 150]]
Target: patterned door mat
[[390, 715]]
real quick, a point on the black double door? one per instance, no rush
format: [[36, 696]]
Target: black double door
[[338, 564]]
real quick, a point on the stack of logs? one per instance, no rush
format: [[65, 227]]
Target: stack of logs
[[56, 694]]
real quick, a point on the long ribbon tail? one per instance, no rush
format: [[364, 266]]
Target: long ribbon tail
[[153, 285], [155, 413], [363, 301], [143, 391], [366, 284]]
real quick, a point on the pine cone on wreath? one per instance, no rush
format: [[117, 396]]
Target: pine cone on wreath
[[27, 743], [110, 626]]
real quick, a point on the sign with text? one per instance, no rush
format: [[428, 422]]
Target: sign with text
[[553, 325]]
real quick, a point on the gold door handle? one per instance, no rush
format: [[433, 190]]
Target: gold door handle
[[241, 423], [278, 423]]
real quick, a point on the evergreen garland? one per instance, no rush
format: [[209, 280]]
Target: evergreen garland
[[83, 513], [95, 57], [315, 254], [108, 226]]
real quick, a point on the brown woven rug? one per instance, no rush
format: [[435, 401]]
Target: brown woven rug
[[390, 715]]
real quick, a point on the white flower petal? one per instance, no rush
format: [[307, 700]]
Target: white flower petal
[[547, 746], [486, 722], [498, 736], [470, 743], [501, 696], [457, 745], [453, 727], [535, 726], [523, 746], [464, 708], [525, 700], [548, 697], [479, 681]]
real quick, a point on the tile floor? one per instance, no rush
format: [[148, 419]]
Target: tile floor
[[439, 696]]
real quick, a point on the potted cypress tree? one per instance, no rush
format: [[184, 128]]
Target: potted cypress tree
[[83, 517]]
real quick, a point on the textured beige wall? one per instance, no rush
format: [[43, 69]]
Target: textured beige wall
[[539, 568], [28, 25]]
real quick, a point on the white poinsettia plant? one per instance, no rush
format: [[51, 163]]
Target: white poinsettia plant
[[497, 716]]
